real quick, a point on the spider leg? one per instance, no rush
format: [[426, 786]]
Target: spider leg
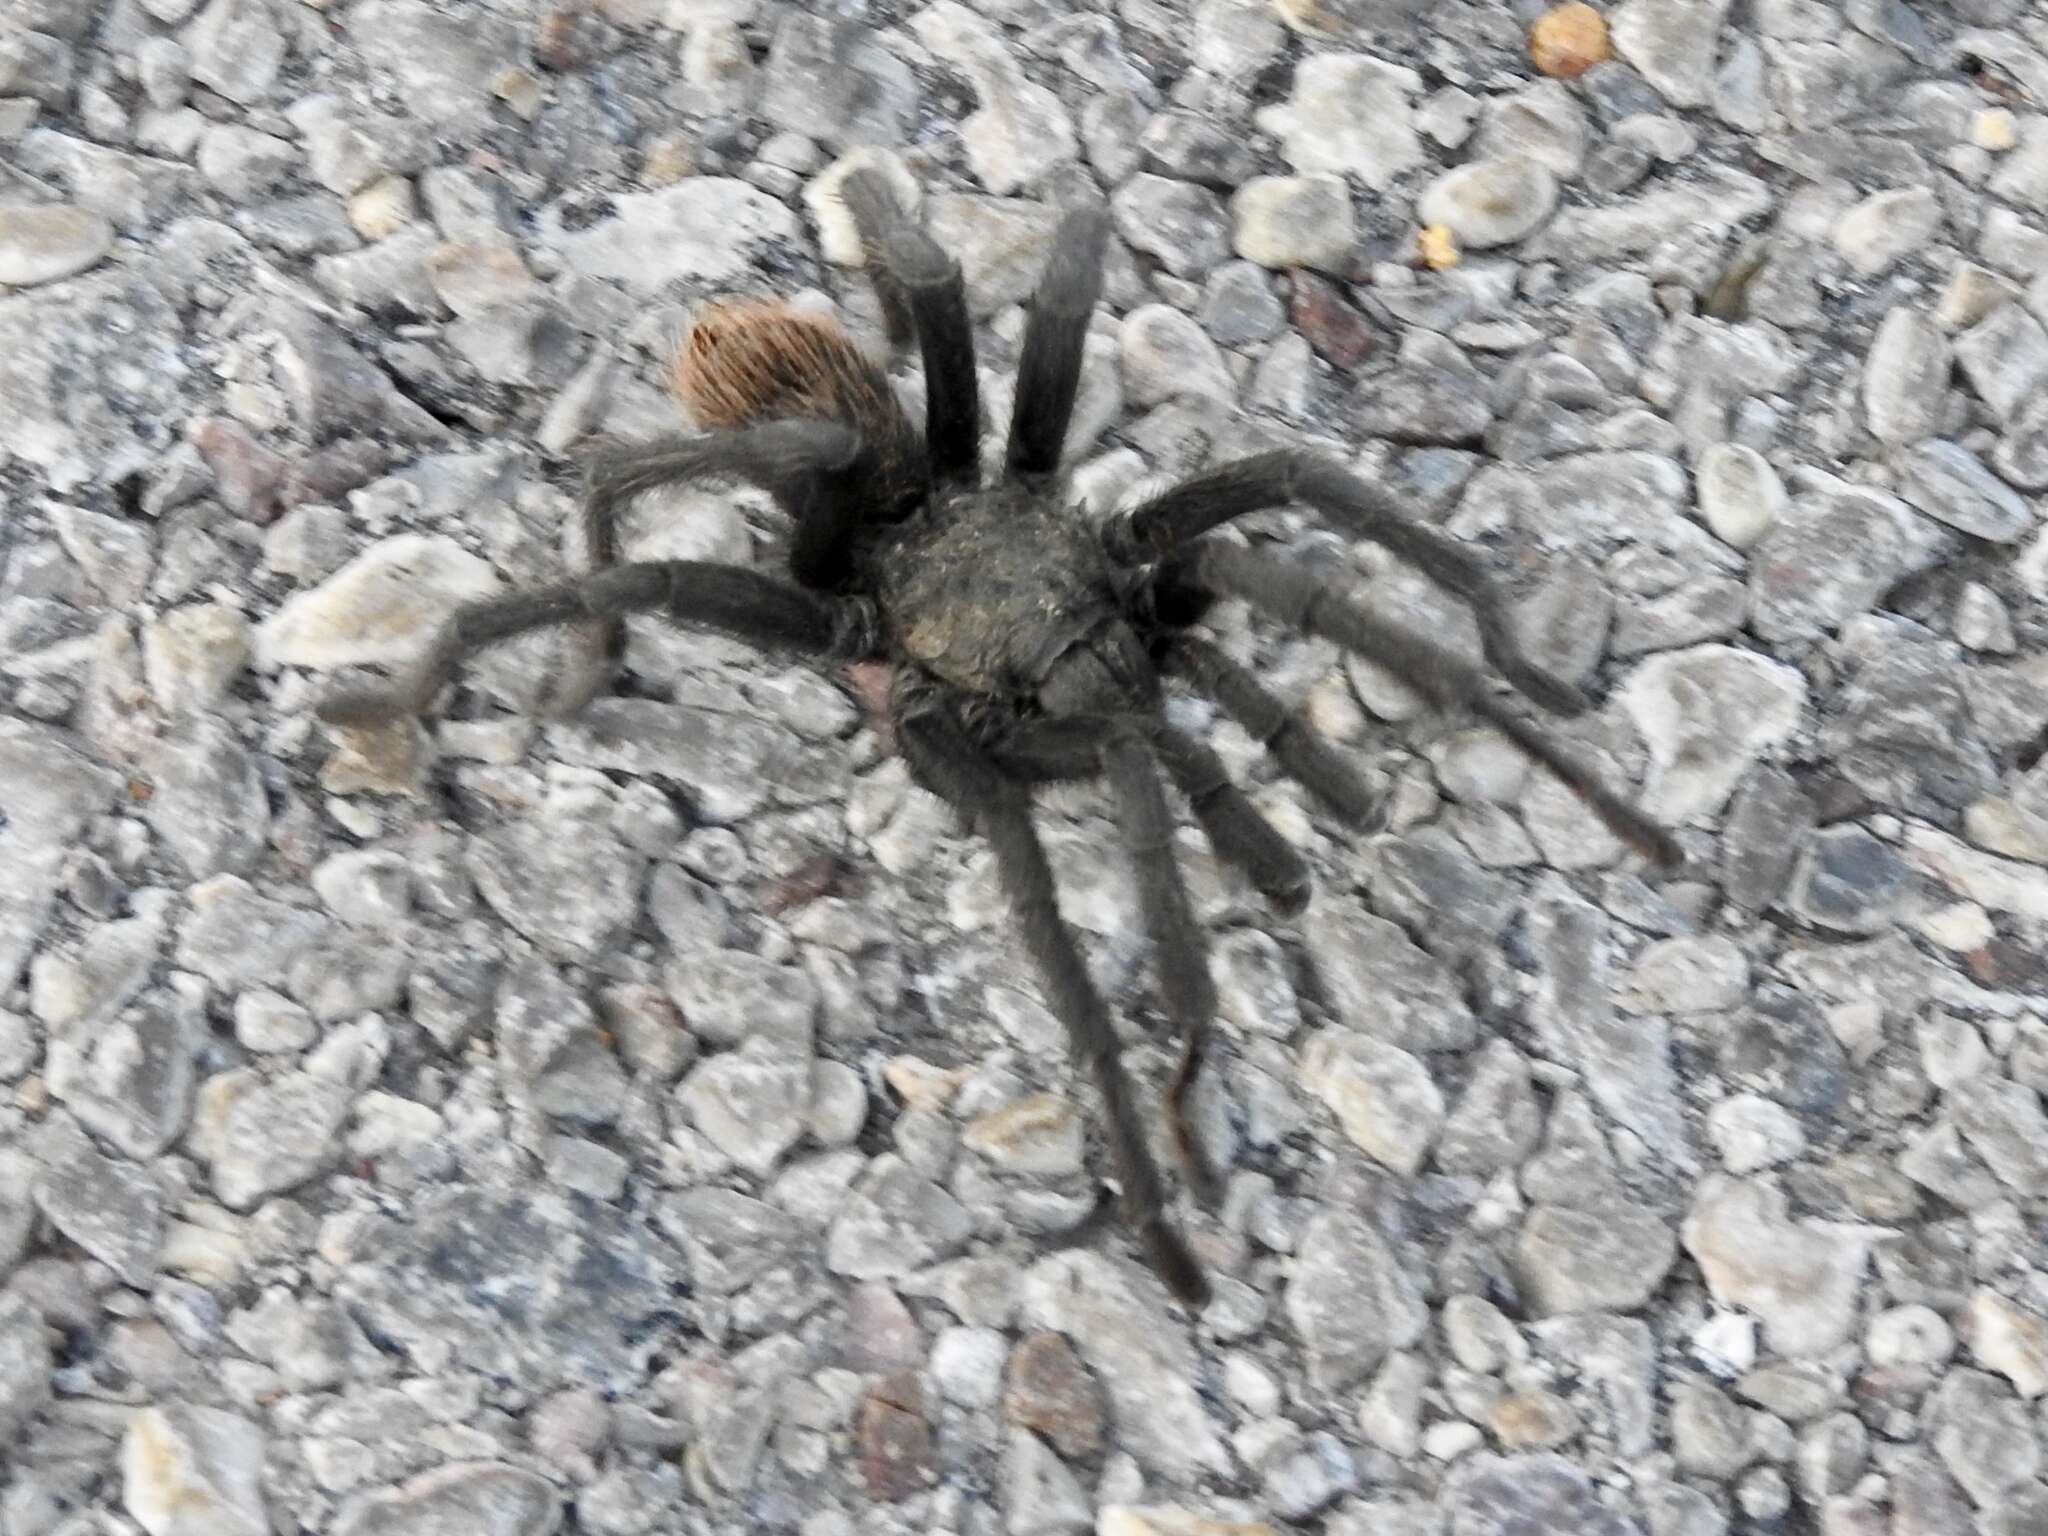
[[1049, 374], [1303, 755], [1051, 750], [1161, 525], [1311, 602], [915, 274], [1233, 825], [696, 593], [815, 469], [1180, 946], [959, 771], [1058, 750]]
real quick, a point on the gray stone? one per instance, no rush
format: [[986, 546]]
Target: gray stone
[[527, 1285], [752, 1103], [1040, 1496], [48, 787], [111, 1209], [1383, 1097], [893, 1221], [1828, 559], [487, 1498], [1490, 203], [132, 1079], [1608, 1256], [702, 230], [1751, 1133], [209, 805], [2023, 176], [1192, 147], [236, 937], [1847, 881], [1905, 377], [1800, 1279], [1495, 1122], [348, 147], [193, 1471], [730, 1239], [1305, 1476], [1179, 225], [274, 1136], [1533, 1495], [729, 765], [1378, 982], [1707, 714], [550, 1050], [2021, 456], [1983, 1435], [1904, 730], [91, 383], [560, 876], [1687, 974], [1709, 1431], [1625, 1062], [1166, 355], [1295, 221], [2003, 1122], [1118, 1320], [1543, 121], [192, 655], [1410, 404], [237, 49], [1740, 494], [2005, 358], [1020, 132], [1350, 115], [1886, 228], [441, 67], [43, 243], [383, 606], [1350, 1300], [1239, 305], [25, 1366]]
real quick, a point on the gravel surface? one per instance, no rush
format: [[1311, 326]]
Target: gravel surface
[[645, 1124]]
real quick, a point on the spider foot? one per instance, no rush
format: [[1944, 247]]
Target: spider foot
[[1172, 1262], [1547, 689], [362, 708]]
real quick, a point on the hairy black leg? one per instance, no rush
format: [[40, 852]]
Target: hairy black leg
[[1303, 755], [696, 593], [960, 772], [1049, 375], [812, 468], [1363, 511], [1179, 944], [1052, 749], [1312, 602], [926, 282], [1235, 829]]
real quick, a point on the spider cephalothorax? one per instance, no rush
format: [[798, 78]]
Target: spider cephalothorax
[[1026, 645]]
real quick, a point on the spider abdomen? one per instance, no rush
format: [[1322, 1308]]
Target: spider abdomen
[[990, 588]]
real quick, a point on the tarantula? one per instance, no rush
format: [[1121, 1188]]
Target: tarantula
[[1027, 646]]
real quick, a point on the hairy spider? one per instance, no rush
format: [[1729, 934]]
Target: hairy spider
[[1026, 646]]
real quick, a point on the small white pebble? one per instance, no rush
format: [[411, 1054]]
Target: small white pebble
[[1451, 1439], [1726, 1343], [1752, 1132], [1961, 927], [1993, 129], [1251, 1386]]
